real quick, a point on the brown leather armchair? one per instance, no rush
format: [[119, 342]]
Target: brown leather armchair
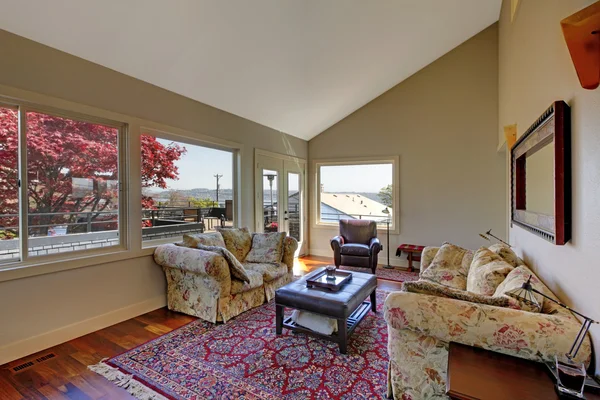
[[357, 244]]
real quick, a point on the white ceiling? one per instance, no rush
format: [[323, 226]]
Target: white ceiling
[[292, 65]]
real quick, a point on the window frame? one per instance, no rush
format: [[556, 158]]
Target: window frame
[[353, 161], [23, 107], [235, 156]]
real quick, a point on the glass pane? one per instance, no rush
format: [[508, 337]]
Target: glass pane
[[270, 183], [356, 192], [72, 185], [294, 206], [9, 185], [186, 188]]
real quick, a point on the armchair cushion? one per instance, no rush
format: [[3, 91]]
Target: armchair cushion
[[236, 268], [255, 281], [269, 271], [487, 271], [237, 240], [358, 230], [450, 266], [207, 239], [356, 249], [266, 248]]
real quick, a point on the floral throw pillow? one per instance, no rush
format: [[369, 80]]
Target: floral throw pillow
[[207, 239], [507, 254], [236, 268], [487, 271], [450, 266], [514, 280], [237, 241], [266, 247]]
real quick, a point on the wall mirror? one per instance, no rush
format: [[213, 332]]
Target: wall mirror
[[541, 176]]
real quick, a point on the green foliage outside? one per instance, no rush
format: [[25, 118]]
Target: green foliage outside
[[385, 194]]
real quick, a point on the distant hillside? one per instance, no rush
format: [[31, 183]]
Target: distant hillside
[[227, 194]]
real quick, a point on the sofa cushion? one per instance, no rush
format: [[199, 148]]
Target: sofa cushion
[[236, 269], [269, 271], [507, 254], [436, 289], [207, 239], [237, 241], [355, 249], [515, 279], [450, 266], [487, 271], [266, 247], [255, 281]]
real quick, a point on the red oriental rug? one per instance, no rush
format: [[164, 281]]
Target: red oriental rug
[[245, 359], [395, 274]]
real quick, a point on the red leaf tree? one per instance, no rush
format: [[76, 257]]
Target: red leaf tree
[[72, 172]]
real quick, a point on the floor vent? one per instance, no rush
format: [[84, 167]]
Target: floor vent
[[31, 363], [23, 366], [46, 357]]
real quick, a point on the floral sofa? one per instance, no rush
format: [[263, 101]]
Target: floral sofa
[[426, 316], [216, 276]]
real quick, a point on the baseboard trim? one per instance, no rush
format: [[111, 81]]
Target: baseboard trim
[[394, 261], [25, 347]]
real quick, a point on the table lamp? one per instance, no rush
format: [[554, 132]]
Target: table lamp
[[570, 376]]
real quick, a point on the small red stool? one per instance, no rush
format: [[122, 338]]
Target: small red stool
[[414, 253]]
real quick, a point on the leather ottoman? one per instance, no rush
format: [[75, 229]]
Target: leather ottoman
[[347, 305]]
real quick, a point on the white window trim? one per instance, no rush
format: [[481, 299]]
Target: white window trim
[[25, 260], [131, 188], [233, 149], [316, 196]]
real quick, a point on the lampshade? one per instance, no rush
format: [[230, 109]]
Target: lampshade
[[525, 294]]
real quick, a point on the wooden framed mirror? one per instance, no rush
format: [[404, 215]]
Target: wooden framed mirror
[[541, 176]]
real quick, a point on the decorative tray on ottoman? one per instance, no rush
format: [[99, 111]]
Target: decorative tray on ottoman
[[319, 280]]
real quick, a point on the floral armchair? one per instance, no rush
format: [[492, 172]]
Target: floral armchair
[[421, 326]]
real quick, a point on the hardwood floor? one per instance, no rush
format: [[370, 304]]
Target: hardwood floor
[[66, 376]]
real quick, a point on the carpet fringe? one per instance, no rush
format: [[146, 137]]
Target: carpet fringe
[[133, 387]]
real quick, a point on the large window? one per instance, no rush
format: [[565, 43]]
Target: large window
[[361, 190], [70, 193], [186, 188]]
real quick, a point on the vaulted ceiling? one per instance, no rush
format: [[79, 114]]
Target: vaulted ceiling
[[298, 66]]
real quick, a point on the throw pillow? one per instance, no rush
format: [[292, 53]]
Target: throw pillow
[[435, 289], [236, 268], [266, 247], [450, 266], [487, 271], [207, 239], [515, 279], [237, 241], [507, 254]]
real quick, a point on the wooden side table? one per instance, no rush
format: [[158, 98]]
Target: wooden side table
[[475, 373], [414, 253]]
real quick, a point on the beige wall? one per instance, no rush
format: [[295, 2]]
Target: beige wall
[[41, 311], [442, 123], [535, 70]]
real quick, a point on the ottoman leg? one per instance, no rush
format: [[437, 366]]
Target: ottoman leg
[[278, 319], [374, 301], [343, 335]]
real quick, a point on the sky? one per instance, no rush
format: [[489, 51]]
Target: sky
[[370, 178], [198, 166]]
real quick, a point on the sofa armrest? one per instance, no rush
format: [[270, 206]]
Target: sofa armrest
[[375, 246], [427, 256], [534, 336], [290, 245], [192, 260]]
